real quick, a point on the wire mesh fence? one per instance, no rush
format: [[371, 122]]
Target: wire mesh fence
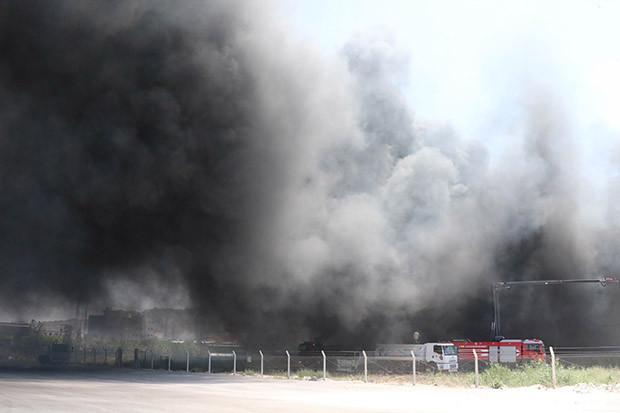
[[583, 357], [316, 365], [280, 363], [359, 365]]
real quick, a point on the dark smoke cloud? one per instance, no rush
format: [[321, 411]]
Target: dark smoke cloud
[[126, 143], [196, 154]]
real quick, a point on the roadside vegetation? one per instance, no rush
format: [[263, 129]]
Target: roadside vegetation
[[496, 377], [307, 373], [302, 374], [499, 376]]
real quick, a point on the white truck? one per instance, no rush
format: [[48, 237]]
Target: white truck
[[436, 356]]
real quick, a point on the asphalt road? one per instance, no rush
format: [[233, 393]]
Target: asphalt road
[[76, 389]]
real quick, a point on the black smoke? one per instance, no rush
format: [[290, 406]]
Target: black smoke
[[129, 139], [194, 153]]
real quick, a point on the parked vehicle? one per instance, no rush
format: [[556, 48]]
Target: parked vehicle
[[436, 356], [503, 351], [55, 354]]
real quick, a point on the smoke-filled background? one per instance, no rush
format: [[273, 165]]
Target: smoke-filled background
[[223, 155]]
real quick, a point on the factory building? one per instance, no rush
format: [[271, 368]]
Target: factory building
[[157, 323]]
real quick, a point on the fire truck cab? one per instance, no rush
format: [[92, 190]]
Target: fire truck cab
[[504, 351]]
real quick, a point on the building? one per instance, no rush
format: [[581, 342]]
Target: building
[[158, 323], [11, 335], [116, 325], [170, 324], [68, 329]]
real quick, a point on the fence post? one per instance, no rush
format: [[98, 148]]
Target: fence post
[[209, 370], [413, 365], [187, 368], [261, 363], [95, 356], [168, 362], [365, 367], [234, 363], [288, 365], [324, 365], [105, 356], [476, 365], [552, 367]]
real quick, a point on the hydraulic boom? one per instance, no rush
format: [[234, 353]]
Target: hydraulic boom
[[505, 285]]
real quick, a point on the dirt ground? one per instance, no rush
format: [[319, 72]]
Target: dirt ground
[[72, 389]]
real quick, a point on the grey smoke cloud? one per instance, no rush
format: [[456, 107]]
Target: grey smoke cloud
[[198, 150]]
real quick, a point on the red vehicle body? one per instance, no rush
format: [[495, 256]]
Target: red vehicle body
[[519, 350]]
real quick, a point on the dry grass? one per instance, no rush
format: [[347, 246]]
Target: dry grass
[[498, 376]]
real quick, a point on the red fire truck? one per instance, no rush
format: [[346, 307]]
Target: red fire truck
[[511, 351], [504, 351]]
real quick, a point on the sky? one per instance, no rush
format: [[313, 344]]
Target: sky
[[461, 53]]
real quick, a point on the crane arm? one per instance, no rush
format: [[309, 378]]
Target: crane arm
[[505, 285], [502, 285]]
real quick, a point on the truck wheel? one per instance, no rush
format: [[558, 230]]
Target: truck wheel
[[432, 367]]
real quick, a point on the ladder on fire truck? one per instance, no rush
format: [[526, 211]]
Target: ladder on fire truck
[[505, 285]]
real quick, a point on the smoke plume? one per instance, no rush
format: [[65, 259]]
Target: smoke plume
[[196, 154]]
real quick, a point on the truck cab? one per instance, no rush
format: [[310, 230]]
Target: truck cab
[[443, 355], [437, 356], [533, 350]]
